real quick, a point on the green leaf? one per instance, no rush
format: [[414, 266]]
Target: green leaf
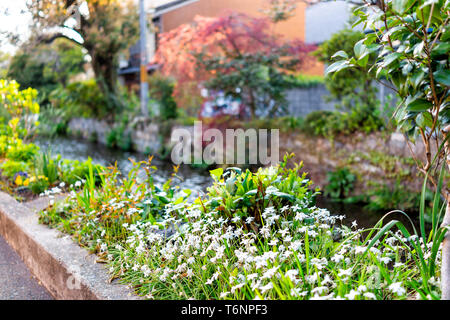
[[360, 49], [423, 14], [216, 174], [284, 196], [337, 66], [424, 119], [419, 105], [443, 77], [441, 48], [341, 54], [390, 58], [416, 78], [363, 60], [400, 5]]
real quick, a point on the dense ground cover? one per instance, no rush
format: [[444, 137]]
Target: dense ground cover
[[251, 236]]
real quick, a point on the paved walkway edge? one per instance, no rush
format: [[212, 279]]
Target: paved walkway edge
[[66, 270]]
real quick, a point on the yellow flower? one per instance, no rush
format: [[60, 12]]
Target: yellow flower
[[19, 180], [26, 182], [32, 179]]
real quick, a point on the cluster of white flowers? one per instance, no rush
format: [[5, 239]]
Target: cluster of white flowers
[[228, 255], [288, 253]]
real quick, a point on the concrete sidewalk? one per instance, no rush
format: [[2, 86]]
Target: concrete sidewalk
[[16, 281]]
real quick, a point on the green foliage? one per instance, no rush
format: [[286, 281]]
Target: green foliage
[[20, 108], [161, 89], [46, 66], [80, 99], [119, 137], [74, 170], [384, 198], [339, 183], [112, 192], [305, 81], [332, 123], [53, 121], [246, 194], [47, 166], [351, 87], [11, 167], [411, 48], [217, 248], [21, 151]]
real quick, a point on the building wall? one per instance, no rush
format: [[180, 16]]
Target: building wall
[[322, 20], [294, 28]]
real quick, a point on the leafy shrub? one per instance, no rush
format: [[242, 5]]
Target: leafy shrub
[[339, 183], [74, 170], [11, 167], [351, 87], [38, 184], [80, 99], [20, 106], [47, 166], [243, 195], [161, 89], [332, 123], [120, 138], [21, 151], [53, 121]]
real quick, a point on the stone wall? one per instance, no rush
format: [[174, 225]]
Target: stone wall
[[145, 136], [302, 101], [379, 158]]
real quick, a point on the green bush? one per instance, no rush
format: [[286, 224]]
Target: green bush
[[74, 170], [161, 89], [47, 166], [350, 87], [80, 99], [246, 194], [21, 151], [339, 183], [120, 138], [11, 167], [332, 123]]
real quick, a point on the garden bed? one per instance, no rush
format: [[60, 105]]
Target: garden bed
[[252, 236]]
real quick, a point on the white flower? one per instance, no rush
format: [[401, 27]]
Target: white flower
[[266, 288], [337, 258], [385, 260], [291, 274], [352, 295], [345, 273], [370, 295], [397, 288]]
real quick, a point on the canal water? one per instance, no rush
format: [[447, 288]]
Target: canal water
[[197, 180]]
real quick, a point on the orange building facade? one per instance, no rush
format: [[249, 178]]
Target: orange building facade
[[176, 13]]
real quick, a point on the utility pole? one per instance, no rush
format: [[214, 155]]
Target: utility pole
[[144, 58]]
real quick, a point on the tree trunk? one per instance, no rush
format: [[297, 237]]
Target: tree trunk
[[106, 75], [445, 266], [445, 263]]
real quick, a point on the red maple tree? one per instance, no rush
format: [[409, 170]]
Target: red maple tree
[[188, 52]]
